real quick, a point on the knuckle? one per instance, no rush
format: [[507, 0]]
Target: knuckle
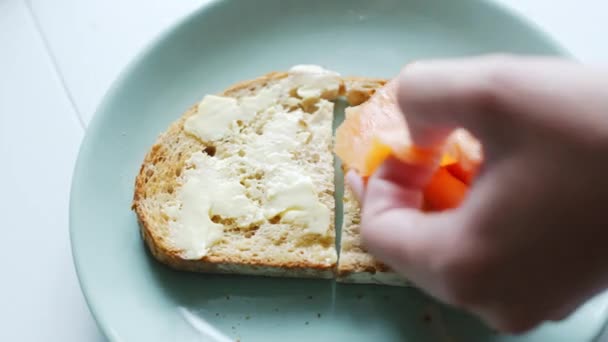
[[487, 91], [464, 275]]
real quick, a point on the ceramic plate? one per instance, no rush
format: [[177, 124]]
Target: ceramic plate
[[135, 299]]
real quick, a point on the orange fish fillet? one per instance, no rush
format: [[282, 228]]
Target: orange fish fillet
[[376, 130]]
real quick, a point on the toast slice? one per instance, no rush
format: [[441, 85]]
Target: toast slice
[[356, 265], [244, 181]]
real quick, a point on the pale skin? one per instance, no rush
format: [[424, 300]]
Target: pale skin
[[530, 241]]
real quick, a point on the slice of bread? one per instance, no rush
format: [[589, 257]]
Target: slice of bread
[[356, 265], [244, 182]]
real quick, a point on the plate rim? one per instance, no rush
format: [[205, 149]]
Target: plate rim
[[77, 177]]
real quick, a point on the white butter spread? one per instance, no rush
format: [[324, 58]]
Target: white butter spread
[[215, 117], [265, 98], [291, 195], [312, 81], [279, 138], [209, 189]]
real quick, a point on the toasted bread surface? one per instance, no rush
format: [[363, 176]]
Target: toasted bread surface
[[262, 245]]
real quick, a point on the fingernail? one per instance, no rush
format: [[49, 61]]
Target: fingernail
[[356, 184]]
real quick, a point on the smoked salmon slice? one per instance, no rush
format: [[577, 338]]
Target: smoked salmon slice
[[376, 130]]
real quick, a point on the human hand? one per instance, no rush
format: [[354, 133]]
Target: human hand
[[530, 241]]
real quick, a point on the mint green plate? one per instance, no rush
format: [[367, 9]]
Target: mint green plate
[[135, 299]]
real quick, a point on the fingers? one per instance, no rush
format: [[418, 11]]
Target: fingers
[[395, 230], [455, 255], [395, 185], [489, 95], [439, 96], [401, 174]]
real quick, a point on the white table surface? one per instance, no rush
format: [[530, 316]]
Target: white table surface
[[57, 58]]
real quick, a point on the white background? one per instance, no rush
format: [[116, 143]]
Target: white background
[[57, 58]]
